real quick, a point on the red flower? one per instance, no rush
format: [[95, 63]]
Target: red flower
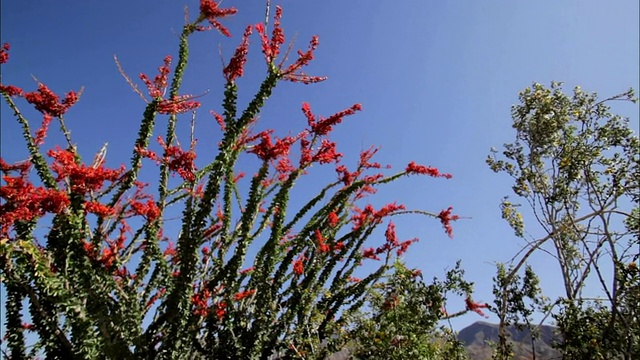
[[200, 301], [48, 103], [243, 294], [322, 245], [4, 53], [179, 160], [42, 132], [83, 179], [149, 209], [446, 218], [267, 150], [209, 10], [370, 253], [24, 202], [11, 90], [99, 209], [170, 250], [324, 126], [298, 265], [414, 168], [333, 219], [473, 306], [177, 105], [236, 65]]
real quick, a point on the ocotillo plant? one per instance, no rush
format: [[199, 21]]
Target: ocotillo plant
[[106, 282]]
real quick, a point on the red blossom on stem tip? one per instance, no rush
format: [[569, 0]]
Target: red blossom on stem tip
[[446, 218], [158, 86], [370, 253], [99, 209], [179, 160], [219, 120], [271, 47], [326, 153], [235, 68], [4, 53], [83, 179], [324, 126], [48, 103], [11, 90], [322, 245], [200, 300], [333, 219], [267, 150], [211, 11], [414, 168], [298, 265], [177, 105], [25, 202], [292, 72], [149, 210], [474, 306], [41, 133], [243, 294]]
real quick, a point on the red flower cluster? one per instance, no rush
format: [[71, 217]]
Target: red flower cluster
[[235, 68], [48, 103], [9, 90], [324, 126], [99, 209], [41, 133], [211, 11], [369, 214], [24, 202], [391, 244], [178, 160], [271, 48], [200, 301], [158, 88], [446, 218], [243, 294], [4, 53], [266, 150], [82, 179], [414, 168], [473, 306], [298, 265], [333, 219], [325, 154], [149, 209], [177, 105]]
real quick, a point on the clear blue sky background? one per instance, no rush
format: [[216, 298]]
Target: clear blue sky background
[[436, 80]]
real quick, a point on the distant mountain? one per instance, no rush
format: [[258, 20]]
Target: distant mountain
[[478, 337]]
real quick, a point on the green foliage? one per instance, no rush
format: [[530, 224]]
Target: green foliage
[[403, 316], [577, 166]]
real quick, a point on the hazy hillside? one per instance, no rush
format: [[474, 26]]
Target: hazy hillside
[[478, 336]]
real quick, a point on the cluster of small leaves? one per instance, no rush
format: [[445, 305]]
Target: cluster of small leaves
[[516, 300], [403, 316]]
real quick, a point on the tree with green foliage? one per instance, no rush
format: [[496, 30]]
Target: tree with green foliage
[[577, 167], [403, 316]]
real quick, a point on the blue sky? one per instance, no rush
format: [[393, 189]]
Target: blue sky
[[436, 80]]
